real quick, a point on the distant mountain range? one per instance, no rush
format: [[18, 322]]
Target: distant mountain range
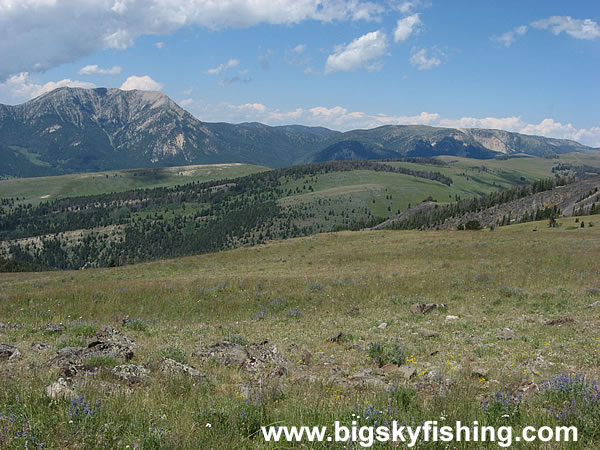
[[80, 130]]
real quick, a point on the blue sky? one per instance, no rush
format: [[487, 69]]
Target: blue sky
[[528, 66]]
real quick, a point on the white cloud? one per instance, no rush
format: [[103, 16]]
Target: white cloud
[[362, 52], [143, 83], [579, 29], [159, 45], [36, 35], [340, 118], [507, 39], [420, 60], [406, 26], [224, 67], [21, 87], [300, 48], [186, 102], [93, 69]]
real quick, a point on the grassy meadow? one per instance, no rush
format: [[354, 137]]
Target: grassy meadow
[[457, 362], [38, 189]]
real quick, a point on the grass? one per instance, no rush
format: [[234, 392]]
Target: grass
[[309, 290], [35, 190]]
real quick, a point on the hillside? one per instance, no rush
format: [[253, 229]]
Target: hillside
[[73, 130], [132, 216], [199, 352]]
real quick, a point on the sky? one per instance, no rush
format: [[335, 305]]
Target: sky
[[526, 66]]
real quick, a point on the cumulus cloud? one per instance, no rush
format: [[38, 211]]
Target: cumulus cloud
[[507, 39], [420, 60], [362, 52], [93, 69], [159, 44], [224, 67], [406, 26], [21, 87], [579, 29], [143, 83], [36, 35]]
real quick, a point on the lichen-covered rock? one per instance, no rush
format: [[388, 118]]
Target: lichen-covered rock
[[61, 390], [227, 353], [111, 342], [130, 373], [171, 366], [8, 352]]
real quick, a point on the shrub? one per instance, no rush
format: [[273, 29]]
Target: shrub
[[174, 353], [384, 353]]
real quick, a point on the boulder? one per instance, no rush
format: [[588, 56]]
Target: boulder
[[505, 334], [170, 366], [111, 342], [130, 373], [60, 390], [8, 352]]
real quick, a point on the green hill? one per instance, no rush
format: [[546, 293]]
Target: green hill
[[214, 208]]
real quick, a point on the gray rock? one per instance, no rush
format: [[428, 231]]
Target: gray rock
[[428, 333], [130, 373], [60, 390], [39, 346], [227, 353], [336, 338], [505, 334], [111, 342], [54, 328], [382, 326], [8, 352], [407, 371], [424, 308], [172, 367], [480, 372]]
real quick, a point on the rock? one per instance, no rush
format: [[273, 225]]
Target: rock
[[450, 318], [354, 311], [428, 333], [171, 366], [424, 308], [227, 353], [417, 308], [356, 347], [60, 390], [54, 328], [39, 346], [407, 371], [111, 342], [362, 374], [261, 356], [528, 387], [382, 326], [505, 334], [559, 321], [480, 372], [594, 305], [69, 360], [130, 373], [255, 358], [389, 368], [8, 352], [9, 326], [337, 338]]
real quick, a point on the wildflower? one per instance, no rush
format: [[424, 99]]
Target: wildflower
[[208, 425]]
